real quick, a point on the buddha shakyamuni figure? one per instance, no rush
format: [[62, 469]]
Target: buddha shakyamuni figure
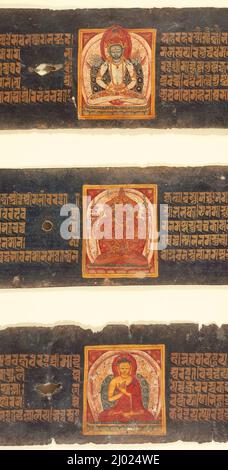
[[116, 78], [125, 394]]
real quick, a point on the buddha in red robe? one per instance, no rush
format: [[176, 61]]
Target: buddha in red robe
[[125, 393]]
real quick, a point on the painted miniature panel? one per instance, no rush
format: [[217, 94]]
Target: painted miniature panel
[[116, 73], [118, 255], [124, 390]]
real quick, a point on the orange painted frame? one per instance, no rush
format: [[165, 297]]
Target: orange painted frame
[[152, 114], [125, 347], [85, 274]]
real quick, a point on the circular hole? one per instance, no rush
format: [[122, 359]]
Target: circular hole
[[47, 226]]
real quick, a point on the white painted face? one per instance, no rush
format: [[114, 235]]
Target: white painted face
[[116, 51]]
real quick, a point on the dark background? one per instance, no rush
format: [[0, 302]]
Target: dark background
[[192, 115], [72, 340], [71, 181]]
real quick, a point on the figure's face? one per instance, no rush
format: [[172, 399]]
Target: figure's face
[[116, 51], [124, 369]]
